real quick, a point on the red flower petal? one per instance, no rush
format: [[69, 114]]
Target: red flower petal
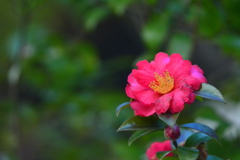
[[187, 81], [157, 147], [191, 98], [197, 73], [146, 66], [193, 82], [180, 96], [146, 96], [163, 103], [143, 78], [132, 86], [178, 67], [129, 91], [141, 109], [161, 59], [131, 79]]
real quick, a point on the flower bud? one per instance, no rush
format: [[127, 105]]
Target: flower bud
[[172, 133]]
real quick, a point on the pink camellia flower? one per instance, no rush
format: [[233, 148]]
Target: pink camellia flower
[[157, 147], [163, 85]]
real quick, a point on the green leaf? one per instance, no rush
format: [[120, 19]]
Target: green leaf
[[162, 154], [229, 43], [211, 157], [94, 16], [182, 44], [202, 128], [199, 98], [196, 139], [139, 134], [155, 30], [119, 7], [152, 2], [210, 92], [168, 118], [171, 158], [141, 123], [122, 106], [187, 153]]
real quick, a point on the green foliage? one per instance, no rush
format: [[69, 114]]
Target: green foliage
[[229, 44], [94, 16], [139, 134], [211, 157], [162, 154], [182, 44], [142, 123], [202, 128], [196, 139], [210, 92], [168, 118], [121, 106], [187, 153], [155, 30]]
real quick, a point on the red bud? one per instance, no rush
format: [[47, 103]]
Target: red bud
[[172, 133]]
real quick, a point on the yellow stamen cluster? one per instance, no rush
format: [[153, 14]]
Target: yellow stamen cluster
[[162, 84]]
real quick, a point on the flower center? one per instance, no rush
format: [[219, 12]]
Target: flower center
[[162, 84]]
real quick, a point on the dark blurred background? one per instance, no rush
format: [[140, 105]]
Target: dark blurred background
[[64, 66]]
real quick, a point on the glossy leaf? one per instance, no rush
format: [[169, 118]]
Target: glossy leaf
[[171, 158], [199, 98], [168, 118], [162, 154], [211, 157], [141, 123], [210, 92], [139, 134], [122, 106], [196, 139], [187, 153], [202, 128]]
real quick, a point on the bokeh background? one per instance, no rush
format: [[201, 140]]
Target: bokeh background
[[64, 66]]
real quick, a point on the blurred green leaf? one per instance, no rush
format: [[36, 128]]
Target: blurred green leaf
[[14, 45], [202, 128], [209, 19], [94, 16], [162, 154], [187, 153], [139, 134], [122, 106], [88, 56], [230, 44], [199, 98], [168, 118], [152, 2], [119, 7], [155, 30], [210, 92], [141, 123], [196, 139], [182, 44], [171, 158], [211, 157]]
